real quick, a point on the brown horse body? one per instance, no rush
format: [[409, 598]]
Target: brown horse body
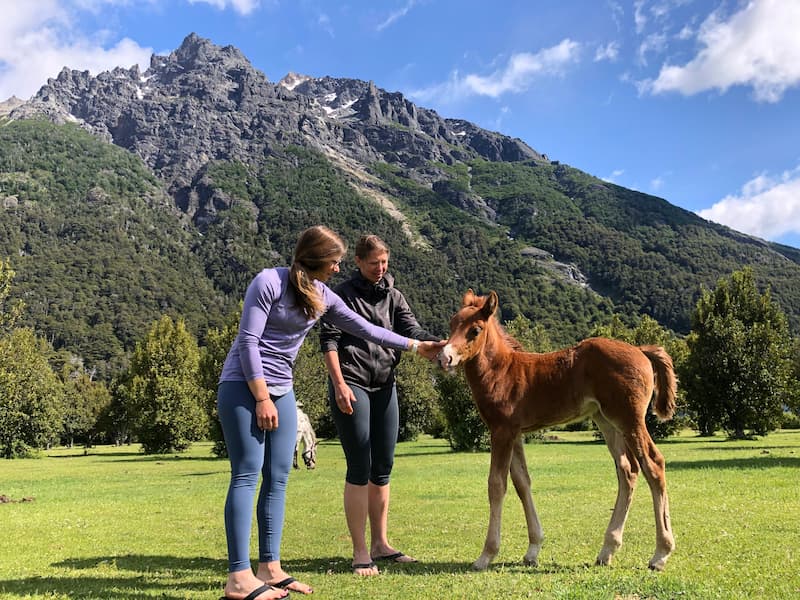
[[606, 380]]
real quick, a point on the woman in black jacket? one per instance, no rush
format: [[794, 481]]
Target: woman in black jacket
[[363, 399]]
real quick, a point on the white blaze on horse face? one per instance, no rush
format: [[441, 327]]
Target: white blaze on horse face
[[449, 358]]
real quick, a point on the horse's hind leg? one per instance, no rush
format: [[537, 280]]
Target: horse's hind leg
[[522, 484], [627, 468], [652, 463], [499, 466]]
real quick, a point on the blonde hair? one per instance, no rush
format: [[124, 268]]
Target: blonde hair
[[370, 243], [316, 248]]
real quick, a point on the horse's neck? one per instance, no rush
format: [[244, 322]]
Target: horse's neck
[[495, 358]]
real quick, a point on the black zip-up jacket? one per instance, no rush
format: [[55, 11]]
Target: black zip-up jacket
[[363, 363]]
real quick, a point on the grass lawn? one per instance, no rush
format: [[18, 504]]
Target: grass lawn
[[118, 525]]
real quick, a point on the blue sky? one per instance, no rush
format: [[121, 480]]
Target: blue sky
[[694, 101]]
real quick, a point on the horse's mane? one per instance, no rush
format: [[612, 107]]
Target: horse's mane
[[507, 337]]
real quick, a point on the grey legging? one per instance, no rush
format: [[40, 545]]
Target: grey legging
[[253, 451], [369, 435]]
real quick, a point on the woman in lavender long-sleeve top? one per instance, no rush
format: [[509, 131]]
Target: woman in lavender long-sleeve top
[[256, 403]]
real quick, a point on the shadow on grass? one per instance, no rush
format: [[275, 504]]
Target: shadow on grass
[[342, 565], [135, 576], [111, 588], [127, 577], [133, 456], [765, 461]]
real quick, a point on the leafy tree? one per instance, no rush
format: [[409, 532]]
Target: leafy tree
[[466, 431], [31, 395], [85, 400], [416, 394], [739, 372], [163, 393], [534, 338], [311, 386], [10, 310], [212, 357]]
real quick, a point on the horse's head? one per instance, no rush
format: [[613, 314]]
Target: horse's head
[[310, 456], [467, 329]]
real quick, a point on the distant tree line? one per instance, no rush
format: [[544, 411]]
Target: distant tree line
[[738, 369]]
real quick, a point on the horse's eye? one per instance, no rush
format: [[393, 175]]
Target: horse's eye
[[474, 332]]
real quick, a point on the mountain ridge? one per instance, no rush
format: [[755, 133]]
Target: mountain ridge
[[248, 163]]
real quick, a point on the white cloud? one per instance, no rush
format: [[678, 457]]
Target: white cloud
[[516, 76], [617, 13], [324, 22], [398, 14], [243, 7], [655, 43], [639, 17], [657, 183], [38, 39], [768, 207], [608, 52], [615, 175], [758, 46]]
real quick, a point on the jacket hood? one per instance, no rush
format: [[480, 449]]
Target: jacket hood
[[369, 289]]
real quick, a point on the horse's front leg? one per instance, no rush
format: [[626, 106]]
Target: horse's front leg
[[500, 463], [522, 484]]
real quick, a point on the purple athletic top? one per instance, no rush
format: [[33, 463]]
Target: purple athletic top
[[273, 327]]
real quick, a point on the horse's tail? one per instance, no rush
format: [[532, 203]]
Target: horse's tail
[[666, 382]]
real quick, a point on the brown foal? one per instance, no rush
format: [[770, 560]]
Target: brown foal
[[606, 380]]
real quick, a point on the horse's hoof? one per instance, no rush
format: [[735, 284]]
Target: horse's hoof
[[530, 562], [657, 565], [480, 565]]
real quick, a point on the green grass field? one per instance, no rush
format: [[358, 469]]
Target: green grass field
[[118, 525]]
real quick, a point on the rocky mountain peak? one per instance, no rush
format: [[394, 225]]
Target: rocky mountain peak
[[292, 80], [204, 103], [6, 106]]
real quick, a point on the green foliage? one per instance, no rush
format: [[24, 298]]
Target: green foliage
[[99, 248], [739, 373], [466, 431], [85, 400], [790, 421], [163, 394], [646, 255], [532, 337], [10, 310], [417, 397], [31, 395], [212, 357], [311, 386]]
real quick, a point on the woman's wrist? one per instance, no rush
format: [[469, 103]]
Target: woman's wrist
[[414, 346]]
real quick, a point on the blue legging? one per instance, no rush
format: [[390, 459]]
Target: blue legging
[[369, 435], [253, 451]]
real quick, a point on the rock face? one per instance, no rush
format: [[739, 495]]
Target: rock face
[[6, 106], [205, 102]]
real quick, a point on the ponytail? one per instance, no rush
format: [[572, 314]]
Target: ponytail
[[316, 248]]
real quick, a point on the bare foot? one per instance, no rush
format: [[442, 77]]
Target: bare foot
[[233, 592], [367, 569], [392, 555], [291, 584]]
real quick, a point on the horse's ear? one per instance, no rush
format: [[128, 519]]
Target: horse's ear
[[468, 298], [490, 306]]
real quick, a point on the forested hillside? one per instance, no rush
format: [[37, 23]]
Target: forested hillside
[[101, 251], [129, 195], [98, 247]]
